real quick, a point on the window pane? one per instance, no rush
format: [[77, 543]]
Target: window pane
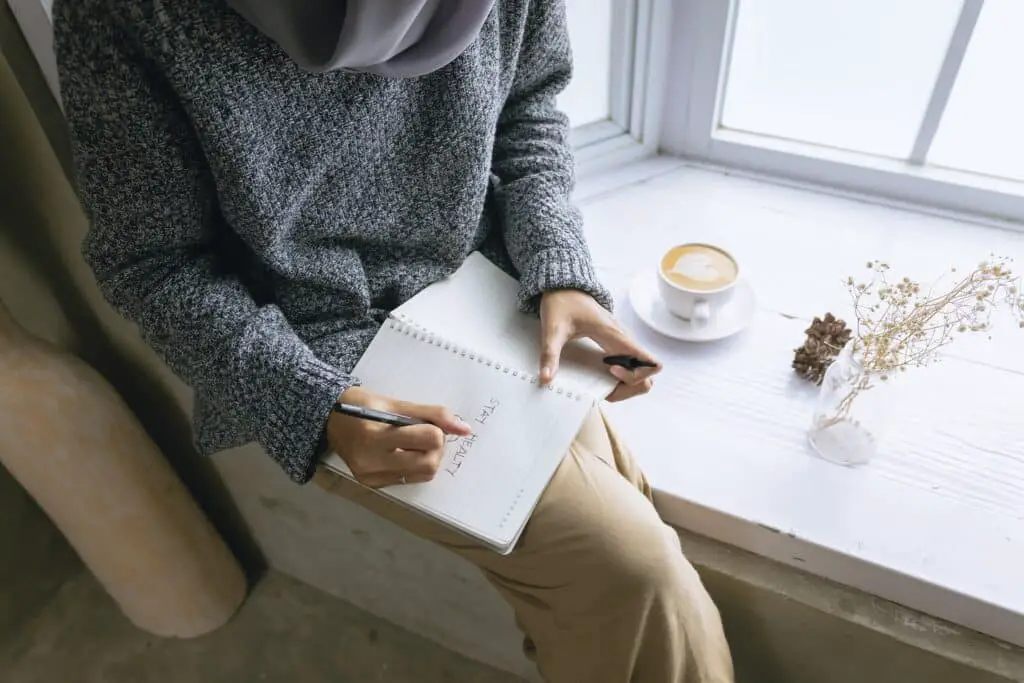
[[982, 129], [855, 75], [587, 98]]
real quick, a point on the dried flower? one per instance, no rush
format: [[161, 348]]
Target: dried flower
[[900, 323]]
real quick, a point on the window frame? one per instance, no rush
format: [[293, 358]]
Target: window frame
[[640, 47], [701, 38]]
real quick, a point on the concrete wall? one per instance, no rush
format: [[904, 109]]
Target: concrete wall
[[50, 292], [784, 626], [46, 277], [34, 558], [30, 79]]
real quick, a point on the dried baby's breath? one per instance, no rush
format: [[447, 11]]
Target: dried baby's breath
[[901, 323]]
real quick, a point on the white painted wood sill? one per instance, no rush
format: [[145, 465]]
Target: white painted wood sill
[[936, 522]]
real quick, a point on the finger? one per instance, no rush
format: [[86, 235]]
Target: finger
[[415, 466], [614, 341], [419, 465], [633, 376], [380, 464], [438, 416], [625, 391], [395, 479], [426, 437], [554, 337]]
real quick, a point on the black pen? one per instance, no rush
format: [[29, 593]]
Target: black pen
[[629, 362], [393, 419]]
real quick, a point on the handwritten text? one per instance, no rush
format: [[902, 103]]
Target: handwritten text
[[459, 447]]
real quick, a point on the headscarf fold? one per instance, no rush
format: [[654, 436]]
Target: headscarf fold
[[386, 37]]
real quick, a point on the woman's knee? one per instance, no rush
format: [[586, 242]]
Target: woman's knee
[[640, 555]]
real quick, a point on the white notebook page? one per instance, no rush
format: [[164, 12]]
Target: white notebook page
[[475, 308], [488, 483]]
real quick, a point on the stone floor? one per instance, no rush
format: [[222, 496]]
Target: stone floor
[[286, 631]]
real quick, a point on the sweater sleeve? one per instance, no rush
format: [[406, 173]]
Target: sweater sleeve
[[534, 164], [152, 207]]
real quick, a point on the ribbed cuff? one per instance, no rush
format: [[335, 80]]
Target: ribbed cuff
[[300, 411], [559, 269]]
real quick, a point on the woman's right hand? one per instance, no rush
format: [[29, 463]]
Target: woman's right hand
[[383, 455]]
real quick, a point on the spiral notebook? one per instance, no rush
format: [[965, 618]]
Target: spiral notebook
[[463, 344]]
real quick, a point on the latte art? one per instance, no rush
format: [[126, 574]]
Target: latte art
[[699, 267]]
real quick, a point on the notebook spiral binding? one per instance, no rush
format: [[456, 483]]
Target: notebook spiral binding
[[404, 325]]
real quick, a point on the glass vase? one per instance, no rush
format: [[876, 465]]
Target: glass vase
[[852, 411]]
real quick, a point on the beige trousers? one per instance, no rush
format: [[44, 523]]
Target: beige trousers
[[598, 582]]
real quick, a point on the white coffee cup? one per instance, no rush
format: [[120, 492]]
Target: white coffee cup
[[696, 280]]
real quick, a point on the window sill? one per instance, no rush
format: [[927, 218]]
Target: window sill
[[936, 522]]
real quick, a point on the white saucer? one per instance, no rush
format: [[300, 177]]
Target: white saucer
[[733, 317]]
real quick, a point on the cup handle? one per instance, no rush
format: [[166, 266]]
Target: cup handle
[[701, 312]]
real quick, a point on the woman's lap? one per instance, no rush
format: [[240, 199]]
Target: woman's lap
[[594, 555]]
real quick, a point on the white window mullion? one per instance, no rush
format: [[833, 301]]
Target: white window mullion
[[650, 70], [944, 82], [725, 67], [623, 46], [700, 32], [641, 35]]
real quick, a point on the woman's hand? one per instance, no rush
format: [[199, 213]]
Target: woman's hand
[[383, 455], [568, 314]]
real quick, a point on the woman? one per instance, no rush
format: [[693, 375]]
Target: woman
[[266, 180]]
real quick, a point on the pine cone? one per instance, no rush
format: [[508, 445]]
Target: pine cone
[[825, 339]]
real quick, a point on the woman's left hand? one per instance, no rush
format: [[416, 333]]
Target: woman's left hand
[[568, 314]]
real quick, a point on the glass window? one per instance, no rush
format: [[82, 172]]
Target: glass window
[[982, 129], [587, 99], [851, 75]]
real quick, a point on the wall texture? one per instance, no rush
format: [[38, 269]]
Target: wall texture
[[41, 242], [49, 291], [34, 558], [26, 71]]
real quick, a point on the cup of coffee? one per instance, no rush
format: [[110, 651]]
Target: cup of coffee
[[695, 280]]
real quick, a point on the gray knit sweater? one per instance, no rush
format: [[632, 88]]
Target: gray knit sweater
[[258, 222]]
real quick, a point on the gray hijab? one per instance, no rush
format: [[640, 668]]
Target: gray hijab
[[386, 37]]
